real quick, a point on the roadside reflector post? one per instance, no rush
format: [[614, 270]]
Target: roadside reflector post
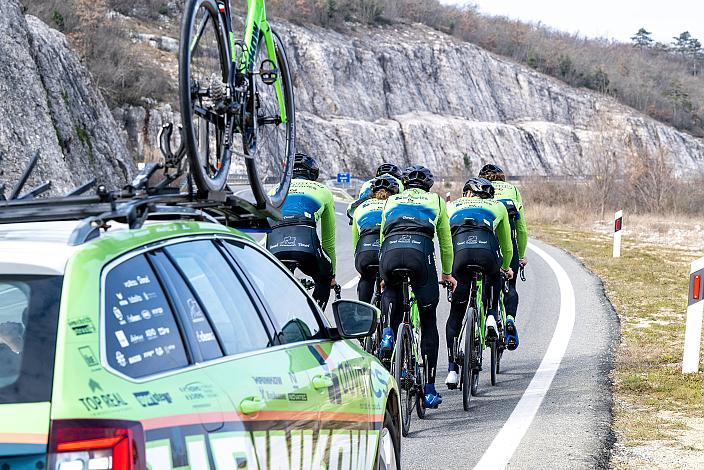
[[695, 314], [618, 228], [448, 196]]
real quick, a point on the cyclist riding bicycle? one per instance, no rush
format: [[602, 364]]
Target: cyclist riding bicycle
[[481, 236], [365, 191], [510, 196], [295, 239], [410, 222], [366, 226]]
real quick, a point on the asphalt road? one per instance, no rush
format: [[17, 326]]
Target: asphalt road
[[551, 407]]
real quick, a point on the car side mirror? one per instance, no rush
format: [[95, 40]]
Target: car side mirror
[[355, 319]]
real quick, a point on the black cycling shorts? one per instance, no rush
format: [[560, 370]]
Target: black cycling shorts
[[475, 248]]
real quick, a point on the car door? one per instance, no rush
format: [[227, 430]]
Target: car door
[[338, 373], [273, 407]]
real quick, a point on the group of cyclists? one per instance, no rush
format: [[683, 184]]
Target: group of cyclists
[[395, 221]]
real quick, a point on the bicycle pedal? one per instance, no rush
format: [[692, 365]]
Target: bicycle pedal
[[269, 75]]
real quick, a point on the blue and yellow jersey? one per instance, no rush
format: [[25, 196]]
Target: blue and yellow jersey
[[468, 211], [416, 210], [367, 219], [312, 202], [504, 191]]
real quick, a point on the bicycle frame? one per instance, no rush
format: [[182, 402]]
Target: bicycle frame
[[255, 23]]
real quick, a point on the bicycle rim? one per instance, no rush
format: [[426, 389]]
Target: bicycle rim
[[203, 73], [404, 381], [269, 146], [476, 354], [493, 346], [467, 369]]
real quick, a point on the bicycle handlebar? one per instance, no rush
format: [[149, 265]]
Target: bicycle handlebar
[[447, 285], [522, 273]]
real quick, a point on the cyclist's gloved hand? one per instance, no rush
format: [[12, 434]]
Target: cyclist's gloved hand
[[508, 273], [523, 262], [451, 280]]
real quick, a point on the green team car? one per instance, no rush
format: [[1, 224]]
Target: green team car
[[177, 344]]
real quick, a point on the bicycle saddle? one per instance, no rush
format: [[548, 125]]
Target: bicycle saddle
[[401, 273]]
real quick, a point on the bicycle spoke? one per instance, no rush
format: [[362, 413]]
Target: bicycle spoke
[[203, 23]]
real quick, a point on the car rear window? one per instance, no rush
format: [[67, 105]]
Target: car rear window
[[142, 337], [29, 311]]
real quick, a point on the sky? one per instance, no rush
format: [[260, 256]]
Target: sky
[[613, 19]]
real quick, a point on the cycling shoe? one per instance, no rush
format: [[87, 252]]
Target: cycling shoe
[[431, 399], [511, 334], [453, 378], [387, 340], [491, 327]]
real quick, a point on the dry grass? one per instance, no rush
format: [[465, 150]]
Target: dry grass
[[655, 405]]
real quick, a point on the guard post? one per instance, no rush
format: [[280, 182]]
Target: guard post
[[618, 227], [693, 324]]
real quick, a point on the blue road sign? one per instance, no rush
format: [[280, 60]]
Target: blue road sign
[[343, 177]]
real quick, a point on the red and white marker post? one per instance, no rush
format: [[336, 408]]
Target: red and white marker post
[[618, 228], [695, 314]]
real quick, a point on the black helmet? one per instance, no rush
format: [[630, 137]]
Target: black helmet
[[418, 176], [389, 169], [481, 187], [305, 167], [386, 182], [492, 172]]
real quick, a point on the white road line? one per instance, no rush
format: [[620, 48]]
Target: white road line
[[237, 193], [339, 213], [351, 283], [262, 242], [502, 448]]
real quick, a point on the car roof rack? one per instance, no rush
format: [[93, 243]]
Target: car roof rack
[[132, 205]]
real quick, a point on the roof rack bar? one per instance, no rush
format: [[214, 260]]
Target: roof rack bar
[[82, 189], [42, 188], [25, 176]]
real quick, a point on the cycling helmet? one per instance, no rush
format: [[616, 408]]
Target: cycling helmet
[[386, 182], [418, 176], [389, 169], [305, 167], [492, 173], [481, 187]]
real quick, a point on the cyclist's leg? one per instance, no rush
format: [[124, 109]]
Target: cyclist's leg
[[392, 297], [427, 292], [458, 307], [363, 261], [511, 299]]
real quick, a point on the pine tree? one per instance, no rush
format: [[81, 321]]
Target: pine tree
[[642, 39]]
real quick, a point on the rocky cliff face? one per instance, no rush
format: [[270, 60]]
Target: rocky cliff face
[[411, 94], [50, 105]]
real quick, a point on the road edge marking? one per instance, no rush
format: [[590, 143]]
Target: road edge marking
[[351, 283], [505, 443]]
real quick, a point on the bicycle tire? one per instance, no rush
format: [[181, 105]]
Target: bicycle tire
[[402, 362], [476, 356], [420, 379], [467, 369], [494, 347], [197, 138], [253, 156]]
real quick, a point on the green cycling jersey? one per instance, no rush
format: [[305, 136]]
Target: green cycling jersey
[[416, 210], [484, 211], [367, 219], [504, 190], [312, 201]]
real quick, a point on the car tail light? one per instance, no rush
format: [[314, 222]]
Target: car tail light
[[96, 444]]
